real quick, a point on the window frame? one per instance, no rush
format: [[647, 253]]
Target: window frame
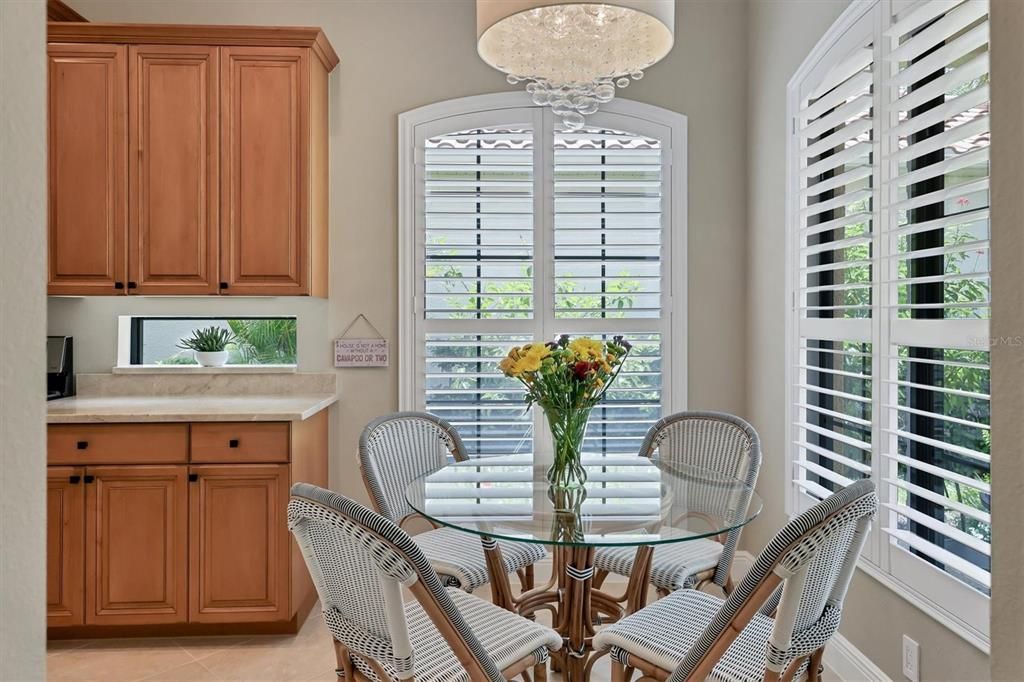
[[932, 590], [481, 110]]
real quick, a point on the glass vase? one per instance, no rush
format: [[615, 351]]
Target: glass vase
[[567, 476]]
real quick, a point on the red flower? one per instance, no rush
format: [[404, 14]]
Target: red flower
[[582, 368]]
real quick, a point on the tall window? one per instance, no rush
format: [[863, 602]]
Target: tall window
[[515, 230], [889, 202]]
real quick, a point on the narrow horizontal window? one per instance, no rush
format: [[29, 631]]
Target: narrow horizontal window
[[170, 341]]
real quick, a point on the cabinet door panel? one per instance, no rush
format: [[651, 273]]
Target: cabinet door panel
[[136, 545], [173, 197], [238, 565], [88, 168], [264, 170], [65, 546]]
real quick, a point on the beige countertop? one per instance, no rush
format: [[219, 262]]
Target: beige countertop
[[186, 408]]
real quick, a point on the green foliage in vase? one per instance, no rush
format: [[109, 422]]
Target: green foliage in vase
[[207, 340]]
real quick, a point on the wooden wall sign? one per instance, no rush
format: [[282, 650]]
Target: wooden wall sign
[[361, 353], [352, 352]]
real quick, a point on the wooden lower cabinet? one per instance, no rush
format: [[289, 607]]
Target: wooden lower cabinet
[[190, 538], [238, 564], [136, 545], [65, 546]]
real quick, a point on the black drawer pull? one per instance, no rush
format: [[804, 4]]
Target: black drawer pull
[[89, 478], [223, 285], [233, 443], [133, 285], [192, 478], [74, 479], [82, 444], [119, 285]]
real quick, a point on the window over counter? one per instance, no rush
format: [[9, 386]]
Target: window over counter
[[514, 230], [162, 342], [889, 270]]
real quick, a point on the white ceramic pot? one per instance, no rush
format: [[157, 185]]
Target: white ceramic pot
[[212, 358]]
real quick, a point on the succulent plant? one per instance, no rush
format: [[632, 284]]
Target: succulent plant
[[208, 340]]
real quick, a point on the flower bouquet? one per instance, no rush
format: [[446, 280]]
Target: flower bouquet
[[567, 378]]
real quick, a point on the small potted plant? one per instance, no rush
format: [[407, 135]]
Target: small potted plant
[[210, 345]]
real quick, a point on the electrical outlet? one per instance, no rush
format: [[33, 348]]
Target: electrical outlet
[[911, 660]]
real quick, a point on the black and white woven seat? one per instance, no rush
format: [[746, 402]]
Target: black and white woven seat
[[709, 440], [396, 449], [777, 621], [362, 564]]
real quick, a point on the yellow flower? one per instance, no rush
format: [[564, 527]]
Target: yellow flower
[[585, 348], [507, 366], [527, 363]]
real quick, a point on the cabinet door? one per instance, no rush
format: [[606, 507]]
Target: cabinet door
[[136, 544], [65, 546], [238, 556], [264, 171], [173, 192], [88, 169]]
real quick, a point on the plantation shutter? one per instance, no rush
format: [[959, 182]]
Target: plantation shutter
[[609, 195], [890, 378], [835, 276], [523, 232], [477, 295], [937, 297]]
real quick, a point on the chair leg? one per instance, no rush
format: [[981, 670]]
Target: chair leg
[[540, 672], [619, 672], [526, 578], [815, 666], [345, 668], [598, 579]]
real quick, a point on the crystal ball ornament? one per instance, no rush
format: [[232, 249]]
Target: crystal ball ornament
[[573, 55]]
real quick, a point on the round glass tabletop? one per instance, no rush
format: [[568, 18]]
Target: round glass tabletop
[[630, 501]]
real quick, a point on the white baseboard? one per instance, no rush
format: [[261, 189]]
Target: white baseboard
[[849, 664], [845, 661]]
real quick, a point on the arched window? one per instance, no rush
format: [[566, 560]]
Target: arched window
[[512, 230], [888, 205]]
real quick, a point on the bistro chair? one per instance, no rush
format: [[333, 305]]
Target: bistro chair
[[396, 449], [360, 562], [775, 624], [711, 440]]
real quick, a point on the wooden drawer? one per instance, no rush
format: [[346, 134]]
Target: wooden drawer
[[117, 444], [250, 442]]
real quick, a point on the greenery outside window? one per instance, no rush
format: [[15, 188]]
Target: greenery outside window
[[155, 341]]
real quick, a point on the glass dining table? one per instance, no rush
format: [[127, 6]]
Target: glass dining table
[[627, 501]]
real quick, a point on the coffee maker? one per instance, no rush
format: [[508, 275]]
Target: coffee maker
[[60, 367]]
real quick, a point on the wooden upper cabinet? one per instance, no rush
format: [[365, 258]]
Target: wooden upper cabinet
[[265, 170], [136, 545], [186, 160], [65, 546], [88, 168], [173, 181]]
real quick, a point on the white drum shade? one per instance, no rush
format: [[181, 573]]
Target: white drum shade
[[573, 42]]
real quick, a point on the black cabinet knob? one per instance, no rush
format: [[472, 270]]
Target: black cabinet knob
[[82, 444], [74, 479], [89, 478], [223, 285], [119, 285], [133, 285], [233, 443], [193, 478]]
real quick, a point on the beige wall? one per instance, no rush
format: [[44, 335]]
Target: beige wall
[[781, 34], [22, 323], [398, 55], [1007, 323]]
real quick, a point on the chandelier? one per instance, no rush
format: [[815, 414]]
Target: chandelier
[[573, 55]]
